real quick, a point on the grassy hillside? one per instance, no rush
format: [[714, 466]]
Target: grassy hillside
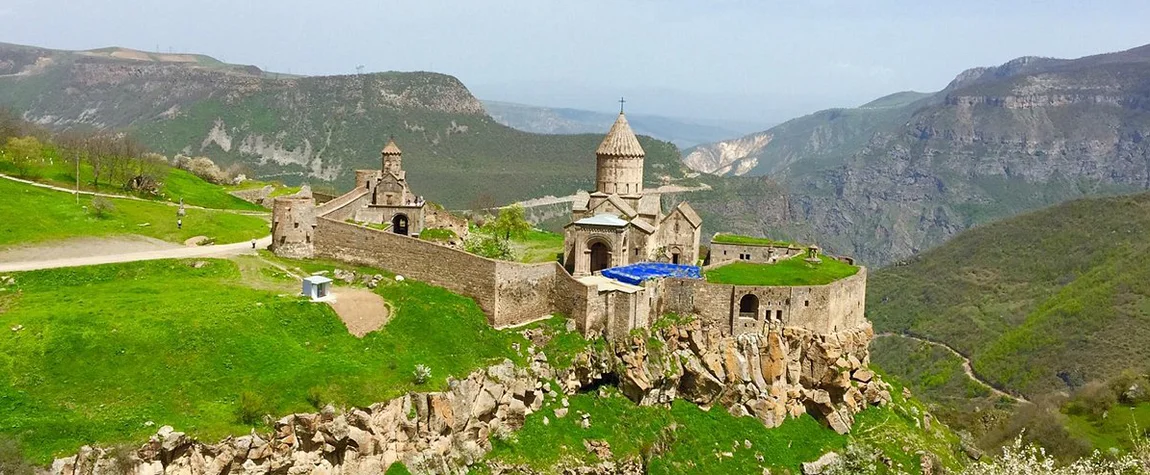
[[185, 346], [311, 128], [687, 439], [1043, 301], [30, 215]]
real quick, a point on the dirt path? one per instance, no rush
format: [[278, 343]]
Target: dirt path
[[83, 247], [225, 250], [966, 367], [124, 197], [362, 310]]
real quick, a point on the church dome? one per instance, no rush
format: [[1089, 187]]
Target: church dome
[[621, 141]]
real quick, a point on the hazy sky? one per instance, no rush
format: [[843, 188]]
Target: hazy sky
[[760, 61]]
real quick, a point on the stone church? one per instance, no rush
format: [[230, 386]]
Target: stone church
[[620, 224], [391, 201]]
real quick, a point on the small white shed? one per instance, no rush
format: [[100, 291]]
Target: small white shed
[[316, 287]]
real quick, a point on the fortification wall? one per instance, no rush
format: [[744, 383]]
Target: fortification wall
[[721, 252], [823, 309], [510, 293], [442, 219], [524, 292], [454, 270], [343, 208], [293, 226]]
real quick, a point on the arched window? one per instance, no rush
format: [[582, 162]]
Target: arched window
[[749, 306]]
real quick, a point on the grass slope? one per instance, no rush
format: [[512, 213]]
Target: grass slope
[[1043, 301], [30, 215], [687, 439], [177, 183], [106, 349], [794, 271]]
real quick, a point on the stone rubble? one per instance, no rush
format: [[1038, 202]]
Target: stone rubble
[[439, 432]]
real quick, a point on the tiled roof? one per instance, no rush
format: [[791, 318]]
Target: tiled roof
[[620, 141], [391, 148]]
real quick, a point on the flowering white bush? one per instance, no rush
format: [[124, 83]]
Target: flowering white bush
[[421, 374], [1028, 459]]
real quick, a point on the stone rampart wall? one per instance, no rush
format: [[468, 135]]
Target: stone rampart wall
[[823, 309], [442, 219], [454, 270], [722, 252], [510, 293], [343, 207]]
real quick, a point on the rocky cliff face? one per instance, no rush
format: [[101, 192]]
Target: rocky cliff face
[[995, 142], [785, 373]]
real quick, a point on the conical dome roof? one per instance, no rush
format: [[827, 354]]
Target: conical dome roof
[[391, 148], [621, 141]]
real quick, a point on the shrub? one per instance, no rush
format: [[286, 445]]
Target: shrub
[[102, 207], [315, 397], [490, 247], [421, 374], [202, 167], [12, 460], [251, 407], [1092, 401]]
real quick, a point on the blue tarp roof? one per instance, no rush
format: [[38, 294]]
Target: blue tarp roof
[[635, 274]]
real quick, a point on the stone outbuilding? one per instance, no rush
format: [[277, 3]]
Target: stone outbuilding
[[619, 223]]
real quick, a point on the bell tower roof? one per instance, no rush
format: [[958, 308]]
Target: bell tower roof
[[621, 141], [391, 148]]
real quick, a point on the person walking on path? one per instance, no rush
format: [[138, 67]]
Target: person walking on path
[[253, 243]]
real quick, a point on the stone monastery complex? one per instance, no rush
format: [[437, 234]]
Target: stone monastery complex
[[615, 226]]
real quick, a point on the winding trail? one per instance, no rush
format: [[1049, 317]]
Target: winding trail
[[966, 367], [222, 250]]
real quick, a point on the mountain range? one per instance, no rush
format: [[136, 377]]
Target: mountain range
[[306, 128], [559, 120], [907, 172]]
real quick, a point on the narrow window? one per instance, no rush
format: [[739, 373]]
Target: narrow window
[[806, 303]]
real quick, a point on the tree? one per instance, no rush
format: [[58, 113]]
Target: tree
[[511, 221], [102, 206], [24, 153]]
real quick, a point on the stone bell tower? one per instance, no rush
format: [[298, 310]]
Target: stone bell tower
[[392, 159], [619, 169]]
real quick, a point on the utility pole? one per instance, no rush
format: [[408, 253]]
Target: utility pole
[[77, 155]]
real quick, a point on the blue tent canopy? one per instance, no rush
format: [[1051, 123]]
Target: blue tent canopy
[[635, 274]]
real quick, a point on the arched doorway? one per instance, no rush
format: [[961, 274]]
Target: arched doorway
[[600, 257], [749, 306], [399, 224]]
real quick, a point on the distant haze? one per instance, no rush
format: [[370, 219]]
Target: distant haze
[[746, 61]]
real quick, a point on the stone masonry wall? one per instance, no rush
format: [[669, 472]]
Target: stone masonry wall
[[721, 252], [454, 270], [823, 309], [510, 293]]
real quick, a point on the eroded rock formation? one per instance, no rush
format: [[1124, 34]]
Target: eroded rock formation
[[786, 372]]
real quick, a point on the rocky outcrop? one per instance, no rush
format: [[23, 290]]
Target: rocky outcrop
[[785, 373], [438, 432]]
